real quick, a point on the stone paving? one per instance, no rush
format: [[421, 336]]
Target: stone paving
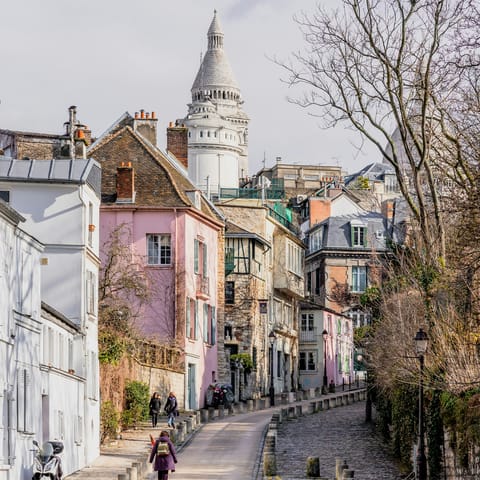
[[336, 433]]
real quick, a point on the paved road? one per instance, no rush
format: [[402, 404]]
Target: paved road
[[337, 433], [224, 449]]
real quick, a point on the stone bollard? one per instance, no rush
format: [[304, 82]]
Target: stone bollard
[[188, 425], [339, 468], [198, 417], [132, 473], [298, 410], [230, 410], [291, 413], [261, 403], [292, 397], [269, 464], [319, 406], [204, 415], [211, 413], [250, 405], [221, 411], [284, 399], [313, 467], [348, 474], [311, 408], [193, 418], [284, 413], [332, 402]]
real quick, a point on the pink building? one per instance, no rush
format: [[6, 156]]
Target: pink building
[[174, 234]]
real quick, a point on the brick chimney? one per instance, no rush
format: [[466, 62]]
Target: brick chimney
[[125, 183], [320, 209], [177, 142], [388, 209], [145, 124]]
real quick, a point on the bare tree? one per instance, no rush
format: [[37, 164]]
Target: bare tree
[[380, 67]]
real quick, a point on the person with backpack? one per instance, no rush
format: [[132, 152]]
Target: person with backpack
[[155, 406], [164, 454], [171, 408]]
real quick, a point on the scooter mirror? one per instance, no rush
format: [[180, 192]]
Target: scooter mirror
[[35, 443]]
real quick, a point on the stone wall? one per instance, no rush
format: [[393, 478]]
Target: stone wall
[[163, 381]]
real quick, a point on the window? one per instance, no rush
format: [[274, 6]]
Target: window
[[200, 258], [230, 293], [315, 241], [307, 322], [24, 396], [158, 249], [317, 281], [213, 326], [5, 195], [294, 259], [91, 293], [359, 279], [359, 235], [308, 361]]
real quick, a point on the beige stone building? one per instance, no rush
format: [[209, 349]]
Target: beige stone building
[[263, 286]]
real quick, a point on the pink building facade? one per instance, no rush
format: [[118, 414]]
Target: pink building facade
[[173, 235]]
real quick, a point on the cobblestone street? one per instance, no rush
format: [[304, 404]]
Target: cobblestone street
[[336, 433]]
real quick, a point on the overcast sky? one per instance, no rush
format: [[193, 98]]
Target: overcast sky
[[112, 56]]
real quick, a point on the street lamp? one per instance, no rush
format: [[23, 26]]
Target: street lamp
[[421, 341], [325, 378], [271, 337]]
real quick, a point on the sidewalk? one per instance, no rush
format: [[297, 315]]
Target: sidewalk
[[133, 448]]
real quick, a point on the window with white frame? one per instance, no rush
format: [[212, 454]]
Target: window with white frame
[[159, 249], [315, 240], [359, 234], [91, 293], [294, 258], [359, 279], [200, 257], [307, 322], [308, 361], [24, 401]]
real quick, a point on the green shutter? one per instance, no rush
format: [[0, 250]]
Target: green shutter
[[205, 323], [364, 236], [351, 235]]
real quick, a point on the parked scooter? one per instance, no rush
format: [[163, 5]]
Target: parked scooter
[[47, 463], [220, 394]]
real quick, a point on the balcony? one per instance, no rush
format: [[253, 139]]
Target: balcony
[[202, 287], [308, 336]]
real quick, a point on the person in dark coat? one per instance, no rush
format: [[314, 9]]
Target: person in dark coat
[[163, 463], [155, 406], [171, 407]]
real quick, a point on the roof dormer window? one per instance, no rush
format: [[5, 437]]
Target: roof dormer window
[[358, 234]]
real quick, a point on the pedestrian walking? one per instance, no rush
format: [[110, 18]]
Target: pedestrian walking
[[155, 406], [164, 454], [171, 408]]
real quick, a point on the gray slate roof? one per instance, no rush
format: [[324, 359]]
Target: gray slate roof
[[337, 232], [77, 171]]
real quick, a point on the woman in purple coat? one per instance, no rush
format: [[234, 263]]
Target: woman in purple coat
[[163, 463]]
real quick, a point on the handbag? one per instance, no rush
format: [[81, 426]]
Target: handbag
[[163, 449]]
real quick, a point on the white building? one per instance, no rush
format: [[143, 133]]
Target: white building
[[59, 200], [217, 124]]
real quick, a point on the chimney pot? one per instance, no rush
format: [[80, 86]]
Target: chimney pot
[[147, 115], [136, 115], [142, 113], [154, 115]]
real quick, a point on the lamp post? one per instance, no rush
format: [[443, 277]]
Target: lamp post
[[421, 341], [325, 378], [271, 337]]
